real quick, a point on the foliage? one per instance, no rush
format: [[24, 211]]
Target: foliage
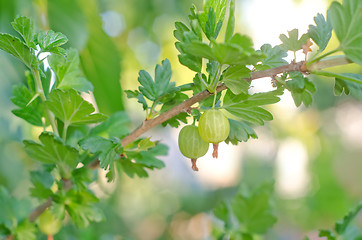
[[341, 226], [76, 138], [248, 213]]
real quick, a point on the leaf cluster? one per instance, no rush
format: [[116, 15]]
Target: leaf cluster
[[13, 216], [66, 157], [342, 227], [159, 91], [132, 160], [247, 214], [226, 62], [75, 143]]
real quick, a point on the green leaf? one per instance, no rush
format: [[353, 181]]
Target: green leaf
[[149, 157], [71, 108], [198, 86], [31, 110], [274, 56], [15, 210], [345, 76], [231, 22], [147, 88], [254, 212], [221, 212], [212, 17], [106, 148], [346, 20], [162, 78], [100, 59], [139, 96], [246, 106], [328, 234], [192, 62], [343, 83], [117, 125], [296, 81], [185, 35], [343, 224], [172, 102], [83, 215], [293, 43], [53, 150], [195, 23], [240, 132], [238, 51], [145, 144], [136, 161], [25, 231], [200, 49], [68, 18], [79, 205], [301, 88], [247, 236], [50, 41], [257, 99], [25, 27], [132, 169], [42, 182], [256, 115], [243, 42], [212, 69], [219, 6], [321, 33], [180, 30], [303, 97], [153, 90], [210, 31], [18, 49], [68, 72], [82, 177], [234, 79]]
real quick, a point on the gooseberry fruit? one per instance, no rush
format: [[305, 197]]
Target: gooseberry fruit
[[191, 144], [48, 223], [214, 127]]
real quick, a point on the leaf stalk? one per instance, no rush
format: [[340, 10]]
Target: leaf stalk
[[40, 91]]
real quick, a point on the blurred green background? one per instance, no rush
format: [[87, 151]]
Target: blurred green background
[[313, 154]]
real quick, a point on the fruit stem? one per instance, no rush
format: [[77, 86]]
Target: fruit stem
[[213, 103], [194, 167], [215, 83], [216, 150], [50, 237]]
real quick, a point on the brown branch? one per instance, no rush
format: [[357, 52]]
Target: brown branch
[[148, 124], [299, 66], [40, 209]]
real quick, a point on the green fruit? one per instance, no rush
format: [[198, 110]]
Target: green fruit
[[191, 144], [48, 223], [214, 127]]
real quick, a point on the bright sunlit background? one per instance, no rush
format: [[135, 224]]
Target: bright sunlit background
[[314, 155]]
